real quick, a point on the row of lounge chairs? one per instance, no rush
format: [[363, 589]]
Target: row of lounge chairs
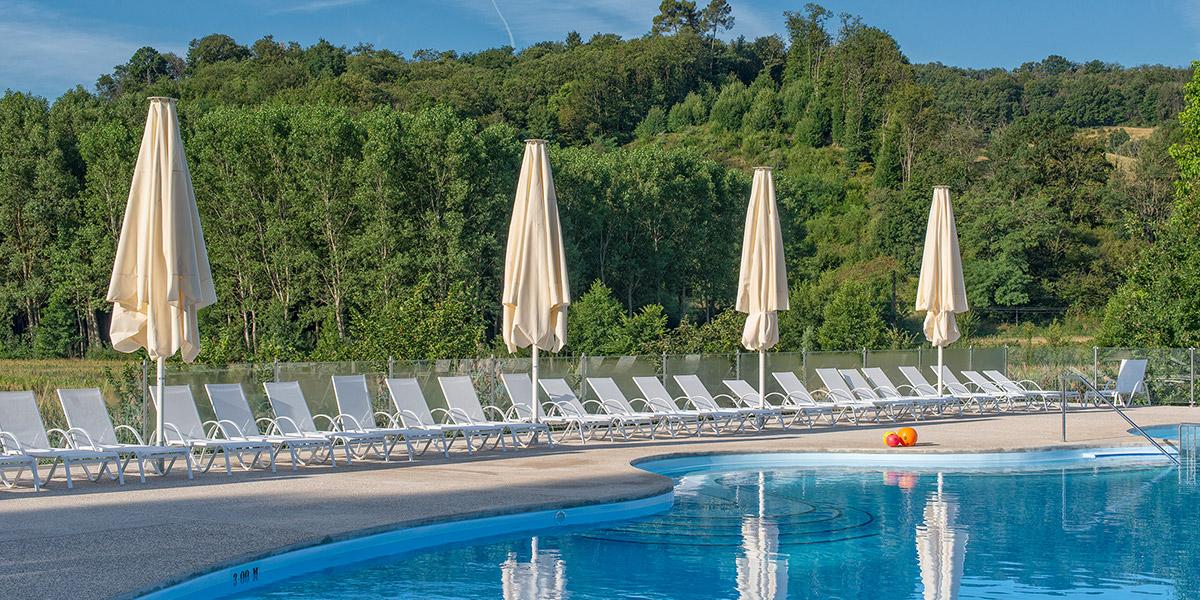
[[91, 441]]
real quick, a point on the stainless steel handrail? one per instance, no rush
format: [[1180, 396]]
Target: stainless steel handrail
[[1096, 391]]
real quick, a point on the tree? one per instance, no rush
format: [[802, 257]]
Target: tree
[[675, 16], [214, 48], [717, 16], [851, 321]]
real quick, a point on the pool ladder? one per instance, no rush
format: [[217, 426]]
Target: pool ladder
[[1071, 373], [1189, 447]]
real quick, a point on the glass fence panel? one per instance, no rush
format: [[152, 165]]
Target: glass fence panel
[[712, 369]]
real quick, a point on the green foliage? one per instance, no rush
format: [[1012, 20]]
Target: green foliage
[[731, 105], [691, 111], [763, 114], [594, 322], [654, 123], [851, 320]]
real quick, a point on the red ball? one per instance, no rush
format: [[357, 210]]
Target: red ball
[[893, 440]]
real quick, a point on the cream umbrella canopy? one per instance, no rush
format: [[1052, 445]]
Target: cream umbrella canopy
[[762, 279], [536, 293], [940, 290], [161, 276]]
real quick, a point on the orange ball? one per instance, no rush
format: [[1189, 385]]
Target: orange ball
[[908, 435], [893, 440]]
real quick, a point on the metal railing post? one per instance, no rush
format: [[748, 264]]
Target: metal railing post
[[971, 357], [1063, 404], [583, 377], [1095, 363], [391, 367], [663, 369], [864, 358], [737, 363], [804, 364], [275, 371], [1006, 360]]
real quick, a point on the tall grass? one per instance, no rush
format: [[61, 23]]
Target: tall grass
[[118, 380]]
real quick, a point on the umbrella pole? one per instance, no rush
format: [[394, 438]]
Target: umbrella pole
[[533, 403], [158, 423], [939, 370], [762, 379]]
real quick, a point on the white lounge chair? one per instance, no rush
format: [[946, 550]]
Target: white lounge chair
[[565, 403], [293, 417], [237, 422], [465, 409], [356, 415], [413, 412], [1000, 402], [704, 400], [1011, 397], [182, 427], [851, 404], [12, 456], [818, 403], [965, 396], [883, 384], [916, 406], [657, 396], [614, 399], [91, 428], [1031, 388], [787, 407], [27, 435], [1131, 381]]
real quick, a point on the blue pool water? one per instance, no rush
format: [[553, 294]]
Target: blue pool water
[[1054, 532], [1170, 432]]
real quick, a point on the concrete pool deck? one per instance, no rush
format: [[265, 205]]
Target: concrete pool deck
[[104, 541]]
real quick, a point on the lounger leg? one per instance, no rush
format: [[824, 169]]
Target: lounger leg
[[67, 468]]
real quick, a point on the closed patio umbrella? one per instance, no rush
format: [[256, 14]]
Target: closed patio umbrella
[[161, 276], [762, 279], [940, 290], [536, 293]]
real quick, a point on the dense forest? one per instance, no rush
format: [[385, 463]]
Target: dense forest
[[355, 200]]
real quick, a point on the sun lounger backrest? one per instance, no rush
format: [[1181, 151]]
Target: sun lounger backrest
[[1131, 376], [947, 375], [84, 409], [460, 396], [607, 391], [19, 416], [287, 400], [180, 411], [1001, 379], [354, 399], [743, 390], [917, 380], [560, 392], [832, 378], [859, 383], [880, 379], [409, 401], [984, 383], [656, 393], [229, 404], [520, 393], [696, 392], [793, 387]]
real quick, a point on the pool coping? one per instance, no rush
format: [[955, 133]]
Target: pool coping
[[243, 574]]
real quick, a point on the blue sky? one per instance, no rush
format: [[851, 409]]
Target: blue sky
[[49, 47]]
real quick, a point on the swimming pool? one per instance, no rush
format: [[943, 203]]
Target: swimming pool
[[977, 528]]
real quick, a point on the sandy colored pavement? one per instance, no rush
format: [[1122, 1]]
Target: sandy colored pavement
[[103, 540]]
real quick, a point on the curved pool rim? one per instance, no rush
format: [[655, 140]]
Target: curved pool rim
[[287, 564]]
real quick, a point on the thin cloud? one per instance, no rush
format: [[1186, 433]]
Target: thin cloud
[[43, 53], [316, 5], [511, 41]]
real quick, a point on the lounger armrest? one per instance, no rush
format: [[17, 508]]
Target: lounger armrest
[[888, 390], [404, 415], [341, 419], [68, 441], [270, 423], [391, 420], [14, 446], [780, 395], [335, 423], [76, 434], [457, 413], [599, 405], [296, 432], [211, 429], [500, 413], [446, 415], [564, 409], [137, 436], [865, 393], [1029, 383], [178, 432], [646, 406], [912, 391], [817, 396], [688, 402]]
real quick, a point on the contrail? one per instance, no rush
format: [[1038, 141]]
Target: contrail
[[511, 42]]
